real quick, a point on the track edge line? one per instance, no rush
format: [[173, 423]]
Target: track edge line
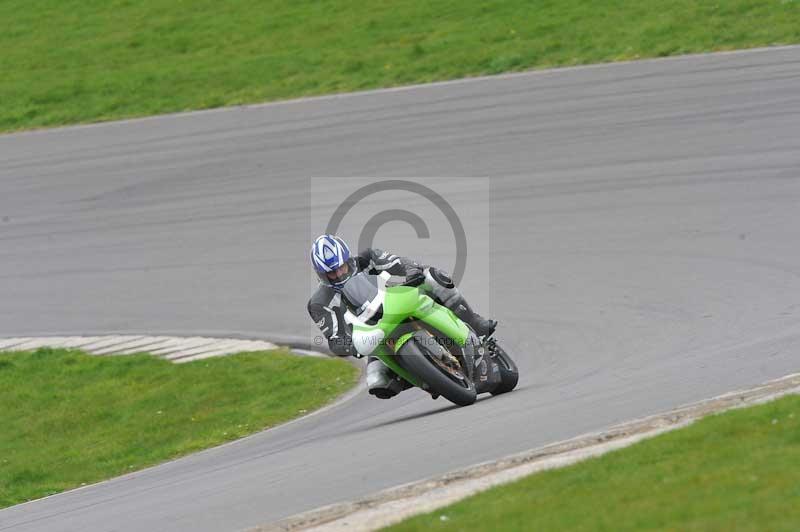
[[395, 504]]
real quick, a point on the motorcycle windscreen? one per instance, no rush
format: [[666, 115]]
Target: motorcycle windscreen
[[359, 291]]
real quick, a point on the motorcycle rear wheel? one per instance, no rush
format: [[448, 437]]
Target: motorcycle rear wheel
[[508, 371]]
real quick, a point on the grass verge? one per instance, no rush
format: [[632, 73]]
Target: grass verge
[[70, 61], [69, 418], [732, 471]]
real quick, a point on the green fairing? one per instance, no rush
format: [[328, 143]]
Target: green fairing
[[402, 302], [442, 319]]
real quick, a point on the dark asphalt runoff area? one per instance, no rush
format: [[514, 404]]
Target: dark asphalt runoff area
[[644, 254]]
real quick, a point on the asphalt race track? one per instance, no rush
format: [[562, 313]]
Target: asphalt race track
[[646, 221]]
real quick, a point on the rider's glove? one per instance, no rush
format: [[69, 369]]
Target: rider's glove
[[343, 346], [415, 276]]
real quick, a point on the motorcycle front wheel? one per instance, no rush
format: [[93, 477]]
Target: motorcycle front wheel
[[428, 361]]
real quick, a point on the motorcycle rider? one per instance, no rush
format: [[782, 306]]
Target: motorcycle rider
[[334, 265]]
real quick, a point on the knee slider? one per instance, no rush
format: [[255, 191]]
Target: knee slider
[[442, 278], [442, 286]]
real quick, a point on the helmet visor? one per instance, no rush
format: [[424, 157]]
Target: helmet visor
[[340, 275]]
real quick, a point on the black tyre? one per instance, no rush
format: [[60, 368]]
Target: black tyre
[[508, 371], [424, 359]]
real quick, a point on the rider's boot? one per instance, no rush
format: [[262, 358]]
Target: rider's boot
[[482, 326], [382, 382]]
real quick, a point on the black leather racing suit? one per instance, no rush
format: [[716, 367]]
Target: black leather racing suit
[[326, 307], [327, 310]]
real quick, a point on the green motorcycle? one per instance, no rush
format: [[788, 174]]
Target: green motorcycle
[[424, 342]]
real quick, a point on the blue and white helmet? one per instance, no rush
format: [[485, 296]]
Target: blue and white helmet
[[328, 254]]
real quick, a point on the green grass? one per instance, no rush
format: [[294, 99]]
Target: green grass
[[69, 61], [68, 418], [735, 471]]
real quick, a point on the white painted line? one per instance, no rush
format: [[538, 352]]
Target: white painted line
[[173, 348], [65, 342], [395, 504], [154, 342], [342, 399], [188, 343], [19, 343], [6, 344], [376, 518], [35, 343], [224, 348], [12, 343], [107, 341], [133, 344], [70, 342], [180, 345]]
